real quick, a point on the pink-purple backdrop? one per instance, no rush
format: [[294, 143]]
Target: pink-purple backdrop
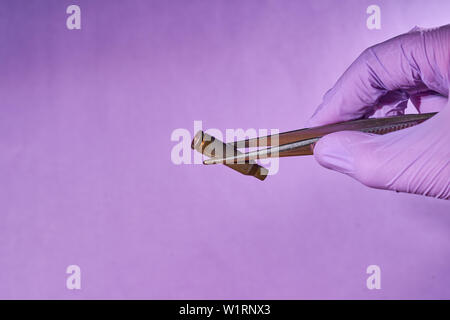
[[86, 176]]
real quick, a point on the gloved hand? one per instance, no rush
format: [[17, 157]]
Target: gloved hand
[[414, 66]]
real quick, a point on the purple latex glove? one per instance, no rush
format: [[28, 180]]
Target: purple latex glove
[[380, 82]]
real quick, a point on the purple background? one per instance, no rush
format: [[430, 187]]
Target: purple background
[[86, 176]]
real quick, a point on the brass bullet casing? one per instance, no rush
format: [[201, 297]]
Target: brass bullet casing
[[212, 147]]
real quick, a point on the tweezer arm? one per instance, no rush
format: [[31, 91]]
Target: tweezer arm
[[300, 142]]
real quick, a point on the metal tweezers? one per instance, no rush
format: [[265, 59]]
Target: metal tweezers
[[292, 143]]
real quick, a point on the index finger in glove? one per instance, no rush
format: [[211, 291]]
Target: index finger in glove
[[389, 73]]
